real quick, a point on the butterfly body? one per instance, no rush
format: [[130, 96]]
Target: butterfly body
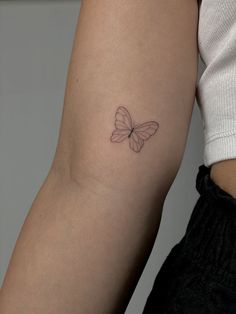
[[132, 130], [125, 128]]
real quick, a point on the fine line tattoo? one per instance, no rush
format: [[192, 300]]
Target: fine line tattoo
[[126, 128]]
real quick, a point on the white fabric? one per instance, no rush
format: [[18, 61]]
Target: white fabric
[[216, 89]]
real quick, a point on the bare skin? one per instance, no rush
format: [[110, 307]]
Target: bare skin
[[223, 173], [92, 226]]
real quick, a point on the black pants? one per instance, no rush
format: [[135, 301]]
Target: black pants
[[199, 274]]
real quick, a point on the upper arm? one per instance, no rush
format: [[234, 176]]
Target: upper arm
[[141, 55]]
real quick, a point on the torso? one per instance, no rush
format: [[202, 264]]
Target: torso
[[223, 173]]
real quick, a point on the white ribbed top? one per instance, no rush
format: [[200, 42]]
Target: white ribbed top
[[216, 90]]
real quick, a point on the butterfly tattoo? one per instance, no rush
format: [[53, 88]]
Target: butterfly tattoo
[[126, 128]]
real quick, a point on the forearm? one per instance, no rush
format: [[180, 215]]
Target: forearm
[[91, 228], [81, 250]]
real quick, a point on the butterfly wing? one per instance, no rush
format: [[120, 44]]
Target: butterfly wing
[[145, 130], [123, 119], [135, 142], [119, 135], [123, 125], [141, 133]]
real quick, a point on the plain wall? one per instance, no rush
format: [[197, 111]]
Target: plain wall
[[35, 45]]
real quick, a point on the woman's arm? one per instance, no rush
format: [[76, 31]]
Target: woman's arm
[[94, 221]]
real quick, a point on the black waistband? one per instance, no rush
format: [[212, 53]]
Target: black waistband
[[206, 186]]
